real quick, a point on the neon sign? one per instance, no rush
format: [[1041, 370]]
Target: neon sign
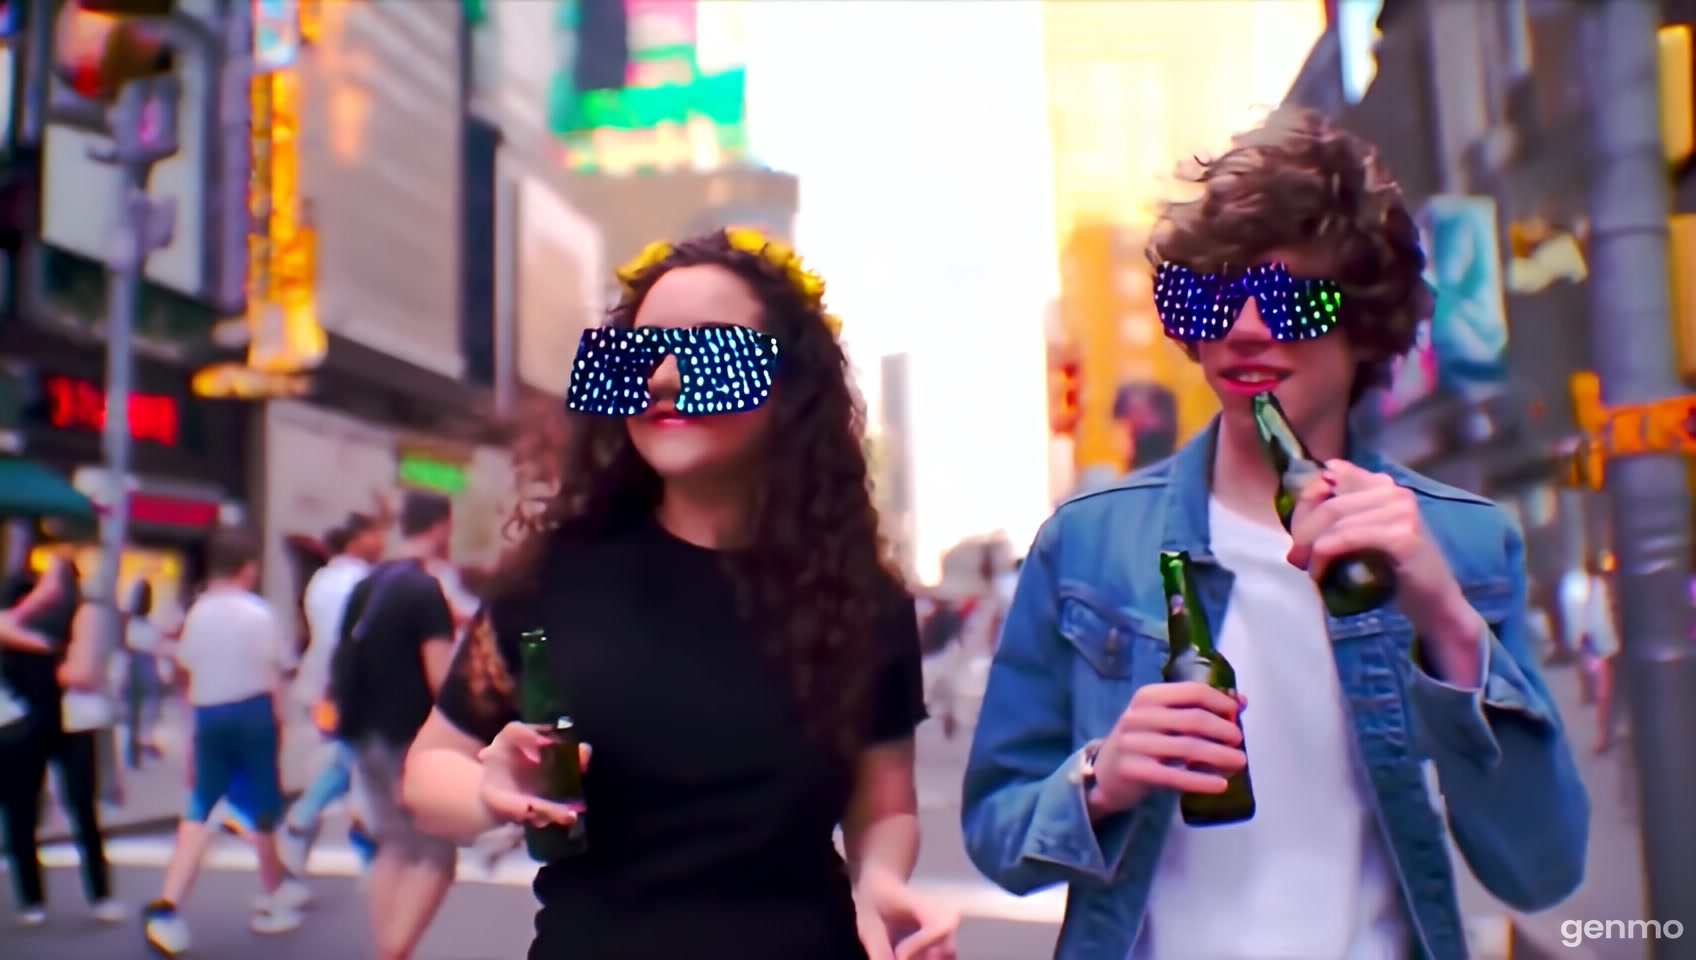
[[80, 405]]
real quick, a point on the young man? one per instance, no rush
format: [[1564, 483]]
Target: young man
[[1082, 751], [232, 657], [357, 544], [391, 661]]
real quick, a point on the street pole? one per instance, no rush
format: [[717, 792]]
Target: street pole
[[1631, 340], [143, 126]]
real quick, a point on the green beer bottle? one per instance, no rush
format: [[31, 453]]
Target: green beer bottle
[[1352, 584], [539, 703], [1191, 657]]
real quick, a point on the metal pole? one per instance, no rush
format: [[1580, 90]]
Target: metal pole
[[143, 127], [1631, 338]]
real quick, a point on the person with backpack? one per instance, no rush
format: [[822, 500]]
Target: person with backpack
[[393, 656]]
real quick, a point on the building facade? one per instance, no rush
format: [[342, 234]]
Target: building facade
[[1501, 115]]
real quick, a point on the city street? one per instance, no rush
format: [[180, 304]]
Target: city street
[[488, 914], [998, 926]]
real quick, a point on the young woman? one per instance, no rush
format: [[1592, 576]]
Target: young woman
[[51, 650], [706, 568]]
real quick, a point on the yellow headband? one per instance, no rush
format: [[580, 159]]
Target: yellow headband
[[806, 283]]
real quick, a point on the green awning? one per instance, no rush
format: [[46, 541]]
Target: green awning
[[28, 489]]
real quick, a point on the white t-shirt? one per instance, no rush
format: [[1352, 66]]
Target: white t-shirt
[[233, 647], [141, 636], [1587, 608], [1308, 877], [326, 602]]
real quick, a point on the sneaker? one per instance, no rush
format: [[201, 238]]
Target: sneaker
[[166, 931], [32, 916], [293, 847], [110, 911], [291, 894], [275, 919]]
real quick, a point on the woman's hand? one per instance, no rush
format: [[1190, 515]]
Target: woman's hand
[[899, 923], [512, 778]]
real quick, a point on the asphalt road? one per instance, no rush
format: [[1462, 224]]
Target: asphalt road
[[480, 921]]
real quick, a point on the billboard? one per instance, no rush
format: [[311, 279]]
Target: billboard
[[1463, 347], [683, 98], [381, 146], [560, 284]]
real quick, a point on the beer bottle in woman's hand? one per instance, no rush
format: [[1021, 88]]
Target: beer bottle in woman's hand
[[561, 769]]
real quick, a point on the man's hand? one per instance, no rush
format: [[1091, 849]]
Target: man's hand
[[1190, 723], [1347, 510]]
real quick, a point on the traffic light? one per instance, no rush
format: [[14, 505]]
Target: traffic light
[[100, 45], [1064, 405], [1678, 91]]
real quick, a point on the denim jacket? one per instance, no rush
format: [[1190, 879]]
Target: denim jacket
[[1087, 628]]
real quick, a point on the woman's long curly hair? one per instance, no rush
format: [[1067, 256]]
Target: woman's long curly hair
[[813, 573]]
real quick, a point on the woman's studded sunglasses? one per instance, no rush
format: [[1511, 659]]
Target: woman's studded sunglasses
[[721, 368]]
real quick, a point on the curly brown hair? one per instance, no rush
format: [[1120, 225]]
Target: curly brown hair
[[1298, 182], [814, 572]]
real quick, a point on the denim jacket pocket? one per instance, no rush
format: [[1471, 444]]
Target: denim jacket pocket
[[1116, 652]]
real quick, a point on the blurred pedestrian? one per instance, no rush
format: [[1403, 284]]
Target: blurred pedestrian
[[355, 546], [1593, 615], [144, 685], [940, 623], [706, 564], [392, 658], [235, 656], [52, 662]]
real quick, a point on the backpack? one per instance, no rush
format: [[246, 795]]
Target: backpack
[[349, 693]]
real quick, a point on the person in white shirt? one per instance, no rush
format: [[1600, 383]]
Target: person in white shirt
[[233, 658], [1587, 607], [356, 545]]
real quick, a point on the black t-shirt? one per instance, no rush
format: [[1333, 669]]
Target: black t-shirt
[[34, 677], [710, 814], [382, 690]]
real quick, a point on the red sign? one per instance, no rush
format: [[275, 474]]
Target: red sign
[[172, 511], [77, 404]]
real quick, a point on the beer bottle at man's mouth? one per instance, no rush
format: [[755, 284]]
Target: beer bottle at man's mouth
[[1191, 656], [1354, 583]]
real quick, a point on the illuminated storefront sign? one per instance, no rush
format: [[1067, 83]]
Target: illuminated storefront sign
[[285, 337], [79, 405], [430, 473]]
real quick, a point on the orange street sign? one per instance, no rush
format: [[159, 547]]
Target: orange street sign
[[1627, 430]]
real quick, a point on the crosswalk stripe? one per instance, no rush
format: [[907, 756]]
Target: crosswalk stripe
[[973, 898]]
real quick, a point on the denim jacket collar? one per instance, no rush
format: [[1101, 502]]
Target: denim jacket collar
[[1189, 481]]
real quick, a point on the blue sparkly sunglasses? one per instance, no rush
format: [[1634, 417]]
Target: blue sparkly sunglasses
[[721, 368], [1204, 306]]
